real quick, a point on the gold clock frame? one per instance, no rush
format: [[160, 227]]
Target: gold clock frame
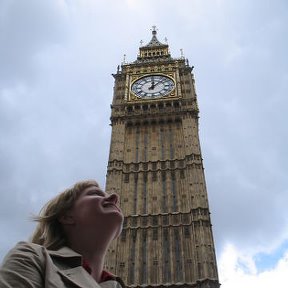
[[132, 97]]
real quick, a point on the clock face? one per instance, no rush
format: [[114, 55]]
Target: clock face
[[153, 86]]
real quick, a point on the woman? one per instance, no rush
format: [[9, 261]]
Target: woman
[[69, 244]]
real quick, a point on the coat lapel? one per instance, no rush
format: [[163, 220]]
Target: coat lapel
[[79, 277], [69, 266]]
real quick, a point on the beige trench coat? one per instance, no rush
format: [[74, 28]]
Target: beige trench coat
[[30, 265]]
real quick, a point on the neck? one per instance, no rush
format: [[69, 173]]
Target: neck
[[94, 254], [96, 263]]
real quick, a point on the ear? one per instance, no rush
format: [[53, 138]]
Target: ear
[[67, 218]]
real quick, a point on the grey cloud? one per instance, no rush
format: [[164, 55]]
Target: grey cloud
[[27, 28], [54, 105]]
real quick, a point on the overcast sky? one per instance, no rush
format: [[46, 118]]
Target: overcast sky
[[56, 60]]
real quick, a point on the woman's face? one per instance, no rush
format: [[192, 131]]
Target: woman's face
[[95, 210]]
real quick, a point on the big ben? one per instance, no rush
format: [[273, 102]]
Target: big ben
[[155, 165]]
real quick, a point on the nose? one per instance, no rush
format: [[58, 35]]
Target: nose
[[113, 198]]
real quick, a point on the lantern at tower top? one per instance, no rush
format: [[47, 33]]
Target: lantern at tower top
[[154, 50]]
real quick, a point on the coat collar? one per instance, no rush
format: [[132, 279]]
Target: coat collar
[[78, 275], [64, 252], [69, 264]]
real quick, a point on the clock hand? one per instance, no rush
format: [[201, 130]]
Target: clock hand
[[157, 83], [152, 86]]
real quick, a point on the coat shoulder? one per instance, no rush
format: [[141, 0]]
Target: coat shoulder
[[23, 266], [29, 252]]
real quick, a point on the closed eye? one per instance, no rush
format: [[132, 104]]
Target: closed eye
[[96, 192]]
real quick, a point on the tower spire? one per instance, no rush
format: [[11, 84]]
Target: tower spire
[[154, 42], [154, 50]]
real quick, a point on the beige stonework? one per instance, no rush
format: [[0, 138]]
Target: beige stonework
[[155, 165]]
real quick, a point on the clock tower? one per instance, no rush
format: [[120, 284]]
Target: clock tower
[[155, 165]]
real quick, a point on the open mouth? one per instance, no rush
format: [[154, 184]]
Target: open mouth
[[111, 205]]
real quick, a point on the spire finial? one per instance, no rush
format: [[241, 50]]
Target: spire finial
[[154, 30], [141, 43], [124, 59], [182, 54]]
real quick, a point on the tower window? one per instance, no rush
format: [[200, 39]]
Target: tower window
[[172, 175], [185, 218], [186, 231], [165, 220], [165, 234], [144, 222], [155, 234], [126, 178], [154, 220]]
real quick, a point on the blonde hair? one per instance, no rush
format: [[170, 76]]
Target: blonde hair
[[49, 231]]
